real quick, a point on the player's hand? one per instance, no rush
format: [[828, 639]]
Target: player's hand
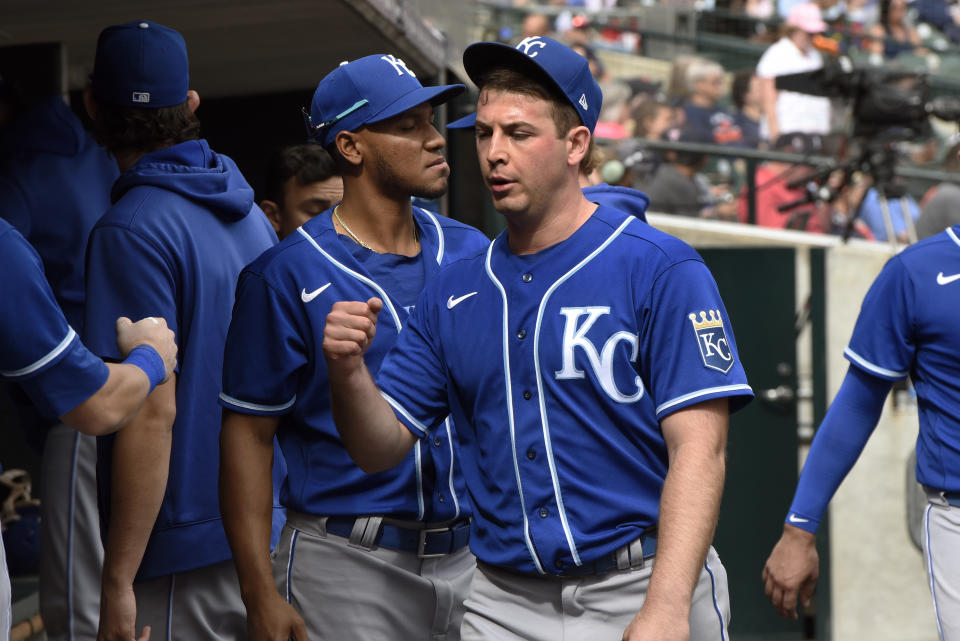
[[350, 328], [150, 331], [273, 619], [118, 616], [791, 571], [659, 624]]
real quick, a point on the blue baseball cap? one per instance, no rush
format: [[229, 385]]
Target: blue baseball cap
[[368, 90], [140, 64], [557, 64]]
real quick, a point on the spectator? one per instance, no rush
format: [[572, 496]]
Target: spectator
[[679, 188], [893, 34], [705, 119], [871, 213], [941, 208], [536, 24], [940, 14], [789, 111], [652, 118], [745, 94], [772, 191], [301, 182]]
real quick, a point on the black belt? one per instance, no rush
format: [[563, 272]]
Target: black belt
[[427, 542]]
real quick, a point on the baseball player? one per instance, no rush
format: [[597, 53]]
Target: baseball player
[[589, 365], [361, 557], [54, 185], [301, 182], [182, 226], [906, 327], [40, 351]]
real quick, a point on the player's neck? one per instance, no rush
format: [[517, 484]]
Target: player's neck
[[535, 232], [383, 225]]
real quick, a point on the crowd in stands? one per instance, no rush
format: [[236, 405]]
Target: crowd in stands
[[740, 107]]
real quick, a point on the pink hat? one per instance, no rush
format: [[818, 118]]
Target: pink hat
[[806, 16]]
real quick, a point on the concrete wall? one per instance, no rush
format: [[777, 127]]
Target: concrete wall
[[879, 586]]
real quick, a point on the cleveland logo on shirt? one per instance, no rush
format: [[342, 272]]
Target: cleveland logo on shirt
[[712, 340]]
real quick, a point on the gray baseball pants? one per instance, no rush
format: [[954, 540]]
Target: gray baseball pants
[[345, 591], [941, 542], [71, 553], [188, 606], [504, 605]]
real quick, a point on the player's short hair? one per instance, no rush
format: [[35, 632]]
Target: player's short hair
[[564, 115], [118, 128], [308, 163]]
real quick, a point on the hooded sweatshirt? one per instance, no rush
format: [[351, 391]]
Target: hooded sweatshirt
[[54, 186], [625, 199], [182, 226]]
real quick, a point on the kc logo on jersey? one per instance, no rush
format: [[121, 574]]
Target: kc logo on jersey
[[601, 362], [712, 340]]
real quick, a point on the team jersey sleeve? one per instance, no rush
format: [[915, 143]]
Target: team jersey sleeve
[[40, 351], [688, 343], [127, 275], [413, 376], [264, 351], [882, 343]]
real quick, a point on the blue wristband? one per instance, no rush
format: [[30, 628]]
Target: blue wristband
[[148, 359]]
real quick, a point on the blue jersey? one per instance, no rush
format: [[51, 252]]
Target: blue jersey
[[39, 348], [54, 185], [908, 326], [274, 366], [558, 367], [181, 229]]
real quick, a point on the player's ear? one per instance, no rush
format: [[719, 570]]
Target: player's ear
[[350, 147], [272, 210], [193, 100], [578, 145]]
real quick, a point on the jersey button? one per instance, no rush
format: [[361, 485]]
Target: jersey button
[[527, 277], [543, 513], [531, 454], [522, 334], [440, 498], [527, 395], [436, 441]]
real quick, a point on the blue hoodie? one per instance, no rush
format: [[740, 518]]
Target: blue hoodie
[[182, 227], [625, 199], [54, 186]]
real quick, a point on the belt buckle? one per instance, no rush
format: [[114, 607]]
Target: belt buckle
[[422, 543]]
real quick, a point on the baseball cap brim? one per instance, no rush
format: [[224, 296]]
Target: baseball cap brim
[[464, 123], [433, 95]]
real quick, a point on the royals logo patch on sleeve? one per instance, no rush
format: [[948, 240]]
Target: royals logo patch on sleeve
[[712, 340]]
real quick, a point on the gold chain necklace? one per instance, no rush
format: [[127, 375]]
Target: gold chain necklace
[[416, 236]]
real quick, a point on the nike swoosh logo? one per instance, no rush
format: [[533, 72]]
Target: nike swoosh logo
[[944, 280], [305, 297], [453, 302], [793, 518]]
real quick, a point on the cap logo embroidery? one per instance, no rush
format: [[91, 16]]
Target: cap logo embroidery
[[141, 96], [583, 101], [527, 43], [398, 64]]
